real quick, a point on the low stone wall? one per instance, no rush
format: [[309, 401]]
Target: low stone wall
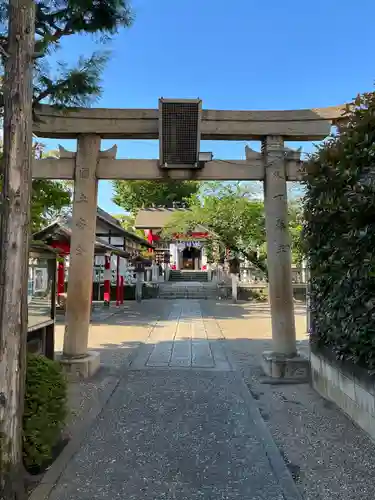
[[150, 291], [250, 292], [350, 387]]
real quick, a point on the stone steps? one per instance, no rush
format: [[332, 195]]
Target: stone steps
[[196, 295], [197, 276], [187, 291]]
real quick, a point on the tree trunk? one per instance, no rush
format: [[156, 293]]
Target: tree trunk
[[14, 243]]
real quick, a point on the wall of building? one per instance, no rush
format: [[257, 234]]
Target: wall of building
[[117, 241]]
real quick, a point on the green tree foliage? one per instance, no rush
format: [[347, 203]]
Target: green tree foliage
[[339, 237], [234, 220], [49, 199], [295, 228], [127, 221], [133, 195], [77, 85]]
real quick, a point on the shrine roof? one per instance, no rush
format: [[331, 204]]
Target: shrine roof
[[155, 218], [101, 247], [39, 247], [115, 227], [62, 226]]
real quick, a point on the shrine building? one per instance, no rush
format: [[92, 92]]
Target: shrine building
[[115, 248], [183, 251]]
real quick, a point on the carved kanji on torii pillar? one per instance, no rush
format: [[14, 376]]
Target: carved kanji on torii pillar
[[274, 166], [76, 359], [283, 361]]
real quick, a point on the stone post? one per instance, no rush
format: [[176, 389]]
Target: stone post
[[209, 272], [217, 277], [155, 272], [244, 275], [76, 359], [139, 286], [167, 272], [123, 267], [149, 274], [283, 360], [304, 271], [234, 279]]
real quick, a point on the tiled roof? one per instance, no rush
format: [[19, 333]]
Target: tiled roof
[[106, 217], [115, 223], [155, 218], [66, 222], [64, 229]]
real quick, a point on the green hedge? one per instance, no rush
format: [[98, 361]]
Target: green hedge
[[339, 237], [257, 295], [45, 410]]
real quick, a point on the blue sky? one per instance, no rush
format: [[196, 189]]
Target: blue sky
[[241, 54]]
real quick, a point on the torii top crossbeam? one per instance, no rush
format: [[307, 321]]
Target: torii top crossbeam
[[295, 125]]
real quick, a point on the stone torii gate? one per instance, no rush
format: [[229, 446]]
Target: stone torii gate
[[275, 165]]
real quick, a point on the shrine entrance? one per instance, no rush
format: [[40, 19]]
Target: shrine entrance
[[191, 259], [180, 126]]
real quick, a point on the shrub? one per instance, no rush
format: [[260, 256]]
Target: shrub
[[339, 237], [45, 410], [260, 295]]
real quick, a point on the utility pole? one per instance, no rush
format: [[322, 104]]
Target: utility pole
[[16, 176]]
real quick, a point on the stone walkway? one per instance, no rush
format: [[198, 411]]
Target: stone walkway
[[175, 435], [181, 424], [184, 341], [329, 457]]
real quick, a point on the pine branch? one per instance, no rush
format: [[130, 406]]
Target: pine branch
[[49, 39], [74, 87], [51, 90], [104, 16], [56, 19]]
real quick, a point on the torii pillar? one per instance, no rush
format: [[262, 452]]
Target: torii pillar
[[76, 359], [283, 361]]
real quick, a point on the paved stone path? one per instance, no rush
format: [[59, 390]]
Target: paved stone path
[[180, 425], [184, 340]]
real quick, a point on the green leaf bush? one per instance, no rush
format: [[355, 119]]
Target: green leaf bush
[[339, 237], [45, 410], [260, 295]]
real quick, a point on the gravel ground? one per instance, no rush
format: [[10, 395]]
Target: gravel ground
[[328, 455], [170, 434], [116, 334]]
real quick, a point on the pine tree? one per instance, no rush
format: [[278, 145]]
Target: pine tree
[[54, 21]]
